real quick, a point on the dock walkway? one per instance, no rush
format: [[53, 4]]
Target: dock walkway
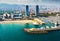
[[51, 29]]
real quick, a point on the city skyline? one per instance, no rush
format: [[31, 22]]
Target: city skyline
[[31, 7], [46, 3], [20, 4]]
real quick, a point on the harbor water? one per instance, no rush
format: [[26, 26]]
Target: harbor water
[[15, 32]]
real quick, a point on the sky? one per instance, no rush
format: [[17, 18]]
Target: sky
[[33, 2]]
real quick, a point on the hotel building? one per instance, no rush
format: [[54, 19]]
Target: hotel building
[[27, 11]]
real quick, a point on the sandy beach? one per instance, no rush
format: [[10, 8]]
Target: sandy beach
[[22, 21], [17, 21]]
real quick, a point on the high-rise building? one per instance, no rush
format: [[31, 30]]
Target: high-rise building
[[37, 10], [27, 10]]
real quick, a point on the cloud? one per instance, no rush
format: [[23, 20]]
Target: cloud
[[31, 2], [21, 1]]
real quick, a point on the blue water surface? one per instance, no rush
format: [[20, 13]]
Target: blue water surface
[[15, 32]]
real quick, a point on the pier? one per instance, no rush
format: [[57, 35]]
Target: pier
[[52, 29], [39, 30]]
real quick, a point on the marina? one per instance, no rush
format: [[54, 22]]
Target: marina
[[43, 29], [36, 22]]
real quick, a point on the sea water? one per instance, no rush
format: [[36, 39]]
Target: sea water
[[15, 32]]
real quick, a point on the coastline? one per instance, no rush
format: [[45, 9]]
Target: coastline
[[16, 21], [36, 20]]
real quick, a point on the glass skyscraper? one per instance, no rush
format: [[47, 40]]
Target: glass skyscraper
[[27, 10], [37, 10]]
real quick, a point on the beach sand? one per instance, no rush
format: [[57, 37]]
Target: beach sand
[[22, 21]]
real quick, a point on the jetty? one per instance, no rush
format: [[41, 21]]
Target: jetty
[[40, 30]]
